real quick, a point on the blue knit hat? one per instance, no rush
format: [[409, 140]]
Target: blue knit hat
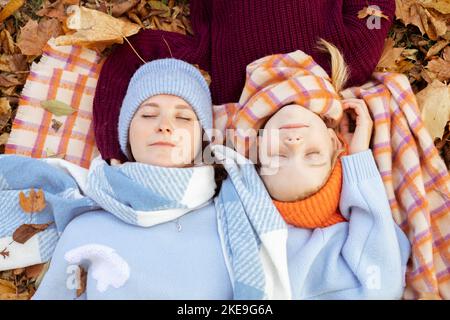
[[165, 76]]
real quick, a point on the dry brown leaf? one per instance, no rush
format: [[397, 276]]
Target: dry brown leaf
[[428, 21], [4, 253], [7, 42], [33, 36], [94, 27], [11, 80], [10, 8], [446, 54], [5, 112], [7, 287], [436, 48], [390, 56], [26, 231], [35, 202], [443, 6], [434, 103], [123, 6], [440, 68], [4, 138], [32, 272], [81, 281]]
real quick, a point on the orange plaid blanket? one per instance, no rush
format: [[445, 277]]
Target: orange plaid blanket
[[416, 180], [68, 74]]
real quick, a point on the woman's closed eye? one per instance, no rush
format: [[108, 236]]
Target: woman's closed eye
[[147, 116]]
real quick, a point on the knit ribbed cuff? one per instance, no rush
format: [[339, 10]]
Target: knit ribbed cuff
[[359, 167]]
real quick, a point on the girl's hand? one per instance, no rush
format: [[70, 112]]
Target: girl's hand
[[356, 125]]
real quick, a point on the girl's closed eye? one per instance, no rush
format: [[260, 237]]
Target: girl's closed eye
[[313, 154]]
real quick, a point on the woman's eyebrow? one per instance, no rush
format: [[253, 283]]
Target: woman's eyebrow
[[150, 104]]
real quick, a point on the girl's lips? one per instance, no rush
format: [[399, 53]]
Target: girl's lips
[[294, 126]]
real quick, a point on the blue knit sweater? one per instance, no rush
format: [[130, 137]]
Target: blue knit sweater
[[364, 258]]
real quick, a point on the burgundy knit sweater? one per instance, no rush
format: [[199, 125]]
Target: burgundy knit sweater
[[229, 34]]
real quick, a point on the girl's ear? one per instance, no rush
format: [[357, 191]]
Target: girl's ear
[[337, 143]]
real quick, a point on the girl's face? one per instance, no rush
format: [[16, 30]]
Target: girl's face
[[296, 152], [165, 132]]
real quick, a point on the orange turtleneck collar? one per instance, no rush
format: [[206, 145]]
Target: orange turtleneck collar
[[319, 210]]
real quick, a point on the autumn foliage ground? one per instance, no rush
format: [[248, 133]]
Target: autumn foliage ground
[[417, 45]]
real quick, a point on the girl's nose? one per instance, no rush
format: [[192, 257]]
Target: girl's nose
[[165, 127]]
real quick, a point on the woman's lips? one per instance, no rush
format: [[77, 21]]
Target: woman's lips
[[162, 144], [294, 126]]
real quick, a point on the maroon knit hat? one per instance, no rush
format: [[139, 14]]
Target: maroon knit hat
[[123, 62]]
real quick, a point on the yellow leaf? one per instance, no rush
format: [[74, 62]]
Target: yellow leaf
[[58, 108], [434, 101], [7, 287], [10, 8], [35, 202], [93, 27]]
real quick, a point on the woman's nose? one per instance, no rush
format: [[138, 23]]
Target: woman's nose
[[165, 127]]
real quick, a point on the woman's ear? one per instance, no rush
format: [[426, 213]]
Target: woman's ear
[[337, 143]]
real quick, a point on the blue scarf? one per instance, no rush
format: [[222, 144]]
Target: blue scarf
[[253, 234]]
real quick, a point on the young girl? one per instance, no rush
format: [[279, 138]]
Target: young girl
[[156, 237], [342, 241]]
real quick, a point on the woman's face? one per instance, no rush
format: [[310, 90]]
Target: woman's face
[[165, 132], [296, 152]]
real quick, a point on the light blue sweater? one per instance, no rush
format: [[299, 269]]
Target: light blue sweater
[[364, 258]]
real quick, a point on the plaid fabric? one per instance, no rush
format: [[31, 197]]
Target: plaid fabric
[[68, 74], [271, 83], [416, 180]]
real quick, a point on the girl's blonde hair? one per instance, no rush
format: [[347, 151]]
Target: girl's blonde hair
[[339, 69]]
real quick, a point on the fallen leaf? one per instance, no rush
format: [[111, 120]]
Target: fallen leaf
[[4, 253], [7, 42], [390, 56], [32, 272], [56, 125], [4, 138], [35, 202], [371, 11], [443, 6], [119, 8], [10, 8], [34, 36], [58, 108], [7, 287], [434, 103], [440, 68], [27, 231], [436, 48], [94, 27], [159, 6], [81, 281], [11, 80], [5, 112], [432, 23]]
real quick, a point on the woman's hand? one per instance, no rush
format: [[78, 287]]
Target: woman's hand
[[356, 125]]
